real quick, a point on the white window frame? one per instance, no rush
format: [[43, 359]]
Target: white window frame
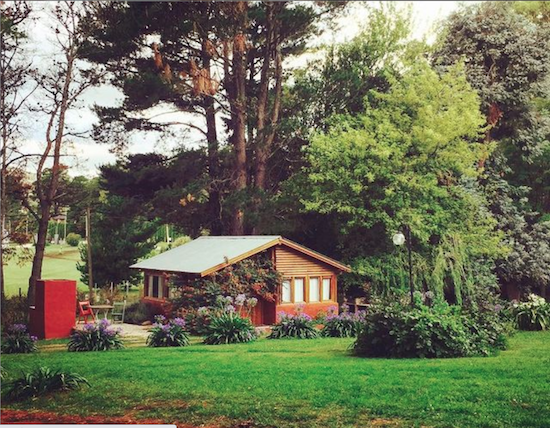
[[296, 287], [324, 297], [289, 283], [316, 288]]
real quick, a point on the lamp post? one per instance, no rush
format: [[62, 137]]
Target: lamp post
[[399, 239]]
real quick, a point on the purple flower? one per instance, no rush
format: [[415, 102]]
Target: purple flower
[[252, 302], [498, 307], [165, 328], [89, 327], [18, 328], [34, 338], [229, 299], [332, 310], [104, 323], [160, 319], [345, 307], [180, 322], [240, 299], [230, 309]]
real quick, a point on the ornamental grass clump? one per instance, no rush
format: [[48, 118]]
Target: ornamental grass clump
[[168, 333], [298, 326], [100, 336], [534, 314], [17, 340], [42, 381], [344, 324], [229, 322]]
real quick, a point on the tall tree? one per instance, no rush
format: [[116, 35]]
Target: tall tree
[[220, 60], [14, 94], [61, 87]]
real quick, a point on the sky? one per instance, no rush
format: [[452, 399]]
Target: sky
[[84, 155]]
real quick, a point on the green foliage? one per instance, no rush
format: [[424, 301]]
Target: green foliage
[[534, 314], [441, 331], [100, 336], [73, 239], [17, 340], [229, 327], [42, 381], [15, 310], [406, 161], [139, 312], [168, 333], [118, 241], [299, 326]]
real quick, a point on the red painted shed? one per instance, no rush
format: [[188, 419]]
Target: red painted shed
[[309, 278]]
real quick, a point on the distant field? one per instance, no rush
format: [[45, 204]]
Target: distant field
[[59, 263]]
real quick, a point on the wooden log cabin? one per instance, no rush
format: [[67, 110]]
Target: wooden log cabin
[[309, 278]]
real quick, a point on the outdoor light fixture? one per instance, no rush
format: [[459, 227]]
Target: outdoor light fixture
[[399, 239]]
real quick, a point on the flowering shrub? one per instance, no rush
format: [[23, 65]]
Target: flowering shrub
[[255, 275], [534, 314], [42, 381], [100, 336], [299, 326], [168, 333], [227, 320], [344, 325], [18, 341]]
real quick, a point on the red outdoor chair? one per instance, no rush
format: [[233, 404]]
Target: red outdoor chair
[[85, 311]]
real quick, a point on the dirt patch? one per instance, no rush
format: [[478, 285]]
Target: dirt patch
[[8, 416]]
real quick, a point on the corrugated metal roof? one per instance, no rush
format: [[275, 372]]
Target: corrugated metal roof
[[204, 253]]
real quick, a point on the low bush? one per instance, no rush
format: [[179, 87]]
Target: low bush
[[168, 333], [15, 310], [442, 331], [17, 340], [197, 320], [73, 239], [100, 336], [299, 326], [140, 312], [42, 381], [533, 314], [345, 324]]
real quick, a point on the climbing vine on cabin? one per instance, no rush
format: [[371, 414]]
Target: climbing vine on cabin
[[254, 276]]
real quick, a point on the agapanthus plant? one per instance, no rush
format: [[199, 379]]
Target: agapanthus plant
[[345, 324], [229, 322], [299, 326], [99, 336], [168, 333], [17, 340]]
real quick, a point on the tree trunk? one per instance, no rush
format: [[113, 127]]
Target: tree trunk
[[239, 116], [213, 153], [39, 250]]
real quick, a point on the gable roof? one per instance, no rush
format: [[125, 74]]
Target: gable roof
[[208, 254]]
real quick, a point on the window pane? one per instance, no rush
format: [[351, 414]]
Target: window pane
[[314, 290], [326, 289], [286, 292], [298, 290], [155, 286]]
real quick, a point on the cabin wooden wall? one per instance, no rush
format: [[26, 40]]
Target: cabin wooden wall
[[293, 263]]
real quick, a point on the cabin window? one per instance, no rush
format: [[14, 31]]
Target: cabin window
[[155, 286], [286, 296], [298, 290], [314, 295], [326, 289]]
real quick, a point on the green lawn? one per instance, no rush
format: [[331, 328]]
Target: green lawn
[[59, 263], [312, 383]]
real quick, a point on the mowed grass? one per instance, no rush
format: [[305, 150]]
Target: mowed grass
[[308, 383], [59, 263]]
